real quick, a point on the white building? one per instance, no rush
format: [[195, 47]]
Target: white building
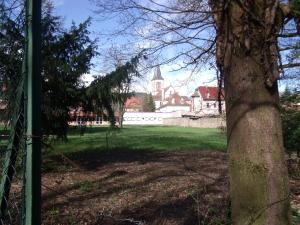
[[205, 101], [167, 98]]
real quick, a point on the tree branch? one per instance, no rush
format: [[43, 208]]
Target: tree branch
[[288, 35], [290, 65]]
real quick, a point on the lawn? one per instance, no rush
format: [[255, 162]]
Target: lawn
[[133, 172], [158, 138], [152, 175]]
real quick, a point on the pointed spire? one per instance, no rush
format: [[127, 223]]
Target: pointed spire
[[157, 74]]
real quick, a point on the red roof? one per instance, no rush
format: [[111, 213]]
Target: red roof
[[133, 102], [176, 99], [210, 93]]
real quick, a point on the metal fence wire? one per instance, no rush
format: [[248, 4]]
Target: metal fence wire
[[12, 154], [20, 135]]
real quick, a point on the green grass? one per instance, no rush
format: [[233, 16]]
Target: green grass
[[160, 138]]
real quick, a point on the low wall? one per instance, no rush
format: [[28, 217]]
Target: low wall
[[146, 118], [158, 118], [205, 122]]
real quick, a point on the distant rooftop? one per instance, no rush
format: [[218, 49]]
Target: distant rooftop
[[208, 93]]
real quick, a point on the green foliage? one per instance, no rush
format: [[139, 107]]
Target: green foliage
[[290, 120], [295, 217], [148, 103], [66, 56], [11, 53], [108, 94], [296, 6]]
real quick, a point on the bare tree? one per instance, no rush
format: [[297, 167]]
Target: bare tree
[[244, 39], [181, 27], [249, 60]]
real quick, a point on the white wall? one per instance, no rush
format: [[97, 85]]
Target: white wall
[[146, 118], [201, 106], [173, 108], [157, 104]]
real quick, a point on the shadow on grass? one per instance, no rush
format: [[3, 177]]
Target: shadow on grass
[[181, 188], [92, 159], [75, 130], [160, 175]]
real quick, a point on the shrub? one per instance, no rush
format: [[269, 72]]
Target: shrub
[[290, 120]]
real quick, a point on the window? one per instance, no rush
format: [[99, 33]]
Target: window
[[207, 105], [215, 105]]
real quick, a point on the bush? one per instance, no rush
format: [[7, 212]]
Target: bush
[[290, 121]]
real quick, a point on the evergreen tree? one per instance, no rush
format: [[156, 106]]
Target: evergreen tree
[[109, 93], [66, 56], [148, 103], [151, 103], [11, 53]]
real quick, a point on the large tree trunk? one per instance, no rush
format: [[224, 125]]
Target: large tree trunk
[[258, 175], [247, 59]]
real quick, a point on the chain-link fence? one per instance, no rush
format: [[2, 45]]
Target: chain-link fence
[[12, 145], [19, 136]]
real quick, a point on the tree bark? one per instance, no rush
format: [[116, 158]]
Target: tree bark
[[247, 59], [258, 175]]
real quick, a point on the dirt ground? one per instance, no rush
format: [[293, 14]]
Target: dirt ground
[[141, 188]]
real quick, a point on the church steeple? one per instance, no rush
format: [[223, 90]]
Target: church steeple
[[157, 83], [157, 74]]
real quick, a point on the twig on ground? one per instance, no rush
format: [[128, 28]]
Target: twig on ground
[[128, 221]]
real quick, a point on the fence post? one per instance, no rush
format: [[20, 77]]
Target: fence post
[[33, 120]]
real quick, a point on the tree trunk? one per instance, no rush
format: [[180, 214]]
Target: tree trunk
[[258, 175], [247, 59]]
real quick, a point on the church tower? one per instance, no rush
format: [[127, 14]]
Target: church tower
[[157, 83]]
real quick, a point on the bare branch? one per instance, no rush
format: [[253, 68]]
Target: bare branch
[[288, 35], [291, 65]]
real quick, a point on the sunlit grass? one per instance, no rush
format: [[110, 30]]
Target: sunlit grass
[[160, 138]]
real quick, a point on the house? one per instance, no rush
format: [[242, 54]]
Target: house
[[167, 99], [174, 102], [205, 100], [135, 103]]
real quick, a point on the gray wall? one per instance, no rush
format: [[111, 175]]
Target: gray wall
[[201, 122]]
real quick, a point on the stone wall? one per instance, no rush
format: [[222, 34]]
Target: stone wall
[[205, 122]]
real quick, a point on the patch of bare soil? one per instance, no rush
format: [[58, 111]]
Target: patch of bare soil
[[141, 188]]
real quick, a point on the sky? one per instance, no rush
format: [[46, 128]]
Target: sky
[[79, 10]]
